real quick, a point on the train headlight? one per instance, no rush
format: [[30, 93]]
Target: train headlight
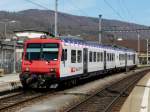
[[27, 69], [52, 70]]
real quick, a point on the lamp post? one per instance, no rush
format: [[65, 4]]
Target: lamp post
[[1, 54], [147, 52], [138, 43], [14, 54], [56, 17], [100, 29]]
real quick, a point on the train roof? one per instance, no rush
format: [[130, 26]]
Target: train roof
[[42, 40], [80, 41]]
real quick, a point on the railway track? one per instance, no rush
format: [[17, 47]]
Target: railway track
[[99, 102], [110, 99], [16, 99]]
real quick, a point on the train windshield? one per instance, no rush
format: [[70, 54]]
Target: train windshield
[[33, 52], [44, 51], [50, 51]]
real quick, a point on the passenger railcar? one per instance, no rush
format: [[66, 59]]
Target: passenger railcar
[[48, 61]]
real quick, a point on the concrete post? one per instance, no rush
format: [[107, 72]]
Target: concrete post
[[100, 29], [56, 17]]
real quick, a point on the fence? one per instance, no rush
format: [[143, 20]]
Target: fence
[[7, 60]]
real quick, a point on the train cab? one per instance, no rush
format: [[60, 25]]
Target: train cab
[[41, 60]]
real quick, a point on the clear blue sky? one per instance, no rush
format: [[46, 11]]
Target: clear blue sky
[[137, 11]]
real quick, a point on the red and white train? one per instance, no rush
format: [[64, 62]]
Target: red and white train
[[48, 61]]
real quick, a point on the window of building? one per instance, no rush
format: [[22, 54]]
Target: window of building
[[73, 56], [79, 59]]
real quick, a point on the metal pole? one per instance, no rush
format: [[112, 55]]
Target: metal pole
[[100, 29], [56, 16], [138, 44], [2, 58], [5, 30], [14, 63], [147, 51]]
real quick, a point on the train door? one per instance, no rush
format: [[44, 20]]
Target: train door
[[85, 60], [105, 59], [64, 63]]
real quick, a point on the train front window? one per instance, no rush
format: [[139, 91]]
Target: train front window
[[50, 51], [33, 52], [44, 51]]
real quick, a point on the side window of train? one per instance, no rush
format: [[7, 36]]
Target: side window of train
[[101, 56], [113, 57], [98, 56], [90, 56], [121, 56], [132, 56], [110, 56], [94, 57], [107, 56], [73, 56], [79, 59], [64, 55], [128, 57]]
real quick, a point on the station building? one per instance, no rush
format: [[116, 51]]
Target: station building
[[143, 58]]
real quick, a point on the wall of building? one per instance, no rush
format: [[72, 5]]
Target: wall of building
[[143, 58]]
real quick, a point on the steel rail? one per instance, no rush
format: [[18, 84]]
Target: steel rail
[[9, 104], [99, 91]]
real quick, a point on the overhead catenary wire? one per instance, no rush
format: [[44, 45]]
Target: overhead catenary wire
[[119, 15], [127, 9], [80, 10], [113, 9], [123, 10], [43, 7], [37, 4], [77, 7], [77, 20]]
